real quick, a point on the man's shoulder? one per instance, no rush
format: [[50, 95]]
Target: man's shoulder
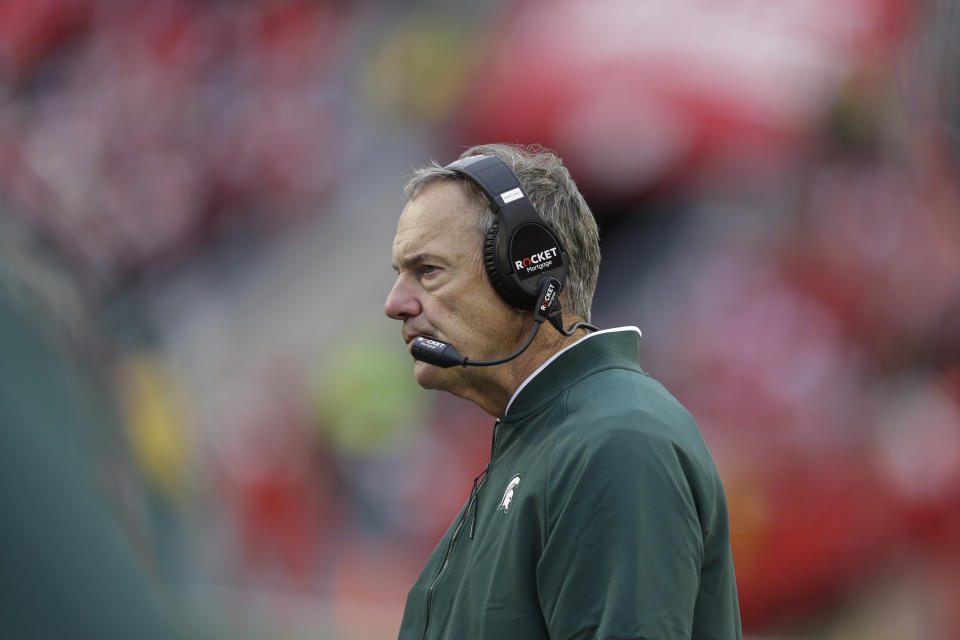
[[630, 394], [623, 409]]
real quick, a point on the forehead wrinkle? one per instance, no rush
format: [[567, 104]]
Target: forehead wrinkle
[[409, 245], [435, 244], [440, 221]]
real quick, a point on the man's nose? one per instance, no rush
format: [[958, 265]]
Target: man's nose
[[402, 301]]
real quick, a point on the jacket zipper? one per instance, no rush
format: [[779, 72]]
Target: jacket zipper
[[496, 439], [478, 483], [483, 477]]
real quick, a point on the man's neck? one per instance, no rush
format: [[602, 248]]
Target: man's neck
[[493, 394]]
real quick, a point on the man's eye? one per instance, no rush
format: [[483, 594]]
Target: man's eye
[[428, 269]]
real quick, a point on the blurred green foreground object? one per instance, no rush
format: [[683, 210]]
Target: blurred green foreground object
[[66, 568]]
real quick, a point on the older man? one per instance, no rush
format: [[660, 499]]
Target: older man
[[601, 513]]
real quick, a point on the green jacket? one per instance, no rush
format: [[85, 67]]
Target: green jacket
[[601, 515]]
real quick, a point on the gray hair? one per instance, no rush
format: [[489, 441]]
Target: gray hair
[[553, 194]]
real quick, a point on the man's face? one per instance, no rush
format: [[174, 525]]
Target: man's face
[[441, 289]]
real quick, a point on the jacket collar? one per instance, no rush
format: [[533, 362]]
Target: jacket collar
[[609, 348]]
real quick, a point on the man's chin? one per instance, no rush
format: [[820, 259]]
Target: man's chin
[[429, 376]]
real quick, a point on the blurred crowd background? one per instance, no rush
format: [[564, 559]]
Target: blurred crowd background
[[197, 204]]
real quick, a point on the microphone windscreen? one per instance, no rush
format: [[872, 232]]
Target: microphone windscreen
[[435, 352]]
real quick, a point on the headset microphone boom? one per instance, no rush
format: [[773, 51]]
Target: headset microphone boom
[[444, 355]]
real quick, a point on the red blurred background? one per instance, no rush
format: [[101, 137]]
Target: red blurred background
[[776, 187]]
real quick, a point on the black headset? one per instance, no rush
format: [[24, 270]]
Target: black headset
[[520, 248], [523, 257]]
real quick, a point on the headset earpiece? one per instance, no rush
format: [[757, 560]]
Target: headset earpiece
[[520, 248]]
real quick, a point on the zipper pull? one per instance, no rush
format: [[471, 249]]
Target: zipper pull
[[475, 498]]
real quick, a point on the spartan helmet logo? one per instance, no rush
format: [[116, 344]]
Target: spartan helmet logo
[[507, 498]]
